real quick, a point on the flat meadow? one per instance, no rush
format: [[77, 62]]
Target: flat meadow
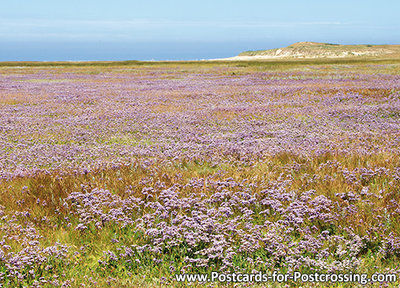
[[127, 174]]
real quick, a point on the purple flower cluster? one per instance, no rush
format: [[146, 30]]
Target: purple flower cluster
[[100, 207], [23, 260], [81, 122], [270, 229]]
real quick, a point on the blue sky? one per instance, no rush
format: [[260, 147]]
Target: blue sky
[[183, 30]]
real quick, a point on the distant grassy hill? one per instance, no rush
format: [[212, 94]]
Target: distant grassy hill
[[323, 50]]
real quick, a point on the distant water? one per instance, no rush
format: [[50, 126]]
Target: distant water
[[103, 51]]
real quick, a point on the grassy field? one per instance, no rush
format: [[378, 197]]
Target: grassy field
[[126, 174]]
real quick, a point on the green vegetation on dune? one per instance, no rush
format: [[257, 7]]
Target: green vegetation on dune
[[328, 50]]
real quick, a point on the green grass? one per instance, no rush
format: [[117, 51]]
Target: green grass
[[261, 63]]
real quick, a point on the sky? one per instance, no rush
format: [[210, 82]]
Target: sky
[[49, 30]]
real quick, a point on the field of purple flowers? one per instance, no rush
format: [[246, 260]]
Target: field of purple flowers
[[126, 175]]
